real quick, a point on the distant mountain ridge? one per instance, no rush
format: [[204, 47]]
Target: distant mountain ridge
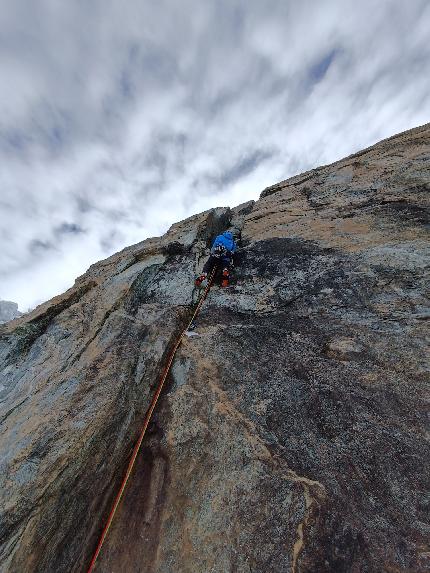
[[8, 311]]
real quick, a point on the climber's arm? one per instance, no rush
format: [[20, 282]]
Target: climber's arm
[[215, 243]]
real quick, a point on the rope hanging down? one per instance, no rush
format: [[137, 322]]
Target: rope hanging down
[[146, 423]]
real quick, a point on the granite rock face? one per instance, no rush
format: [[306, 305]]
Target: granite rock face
[[8, 311], [293, 433]]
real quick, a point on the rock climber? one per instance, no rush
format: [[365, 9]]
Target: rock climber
[[221, 258]]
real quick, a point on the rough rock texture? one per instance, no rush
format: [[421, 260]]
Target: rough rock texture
[[293, 434], [8, 311]]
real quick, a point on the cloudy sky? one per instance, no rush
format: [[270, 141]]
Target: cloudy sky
[[120, 118]]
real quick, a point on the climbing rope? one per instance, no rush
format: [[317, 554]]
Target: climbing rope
[[146, 422]]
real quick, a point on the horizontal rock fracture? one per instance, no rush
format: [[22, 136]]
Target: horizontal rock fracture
[[147, 419]]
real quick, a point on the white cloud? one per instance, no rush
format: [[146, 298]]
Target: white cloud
[[118, 119]]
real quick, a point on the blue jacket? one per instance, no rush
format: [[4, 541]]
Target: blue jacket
[[226, 240]]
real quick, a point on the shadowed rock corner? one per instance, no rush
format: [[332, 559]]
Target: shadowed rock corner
[[291, 436]]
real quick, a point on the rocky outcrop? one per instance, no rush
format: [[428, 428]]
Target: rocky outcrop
[[292, 436], [8, 311]]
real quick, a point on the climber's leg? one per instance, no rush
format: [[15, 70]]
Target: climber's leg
[[210, 264], [207, 269], [226, 266], [225, 277]]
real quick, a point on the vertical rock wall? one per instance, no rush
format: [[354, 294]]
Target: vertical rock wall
[[293, 434]]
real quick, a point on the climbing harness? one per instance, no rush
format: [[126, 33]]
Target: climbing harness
[[146, 422], [219, 251]]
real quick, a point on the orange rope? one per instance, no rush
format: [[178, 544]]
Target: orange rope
[[146, 423]]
